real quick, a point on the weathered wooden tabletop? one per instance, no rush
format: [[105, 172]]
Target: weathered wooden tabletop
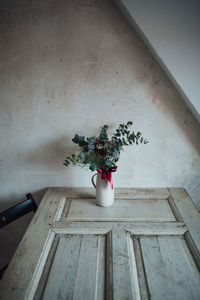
[[146, 246]]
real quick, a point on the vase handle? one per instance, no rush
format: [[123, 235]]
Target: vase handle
[[93, 180]]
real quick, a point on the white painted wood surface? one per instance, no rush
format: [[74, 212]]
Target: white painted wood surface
[[122, 210], [170, 269], [144, 247], [75, 256]]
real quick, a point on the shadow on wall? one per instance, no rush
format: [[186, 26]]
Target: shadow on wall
[[166, 98], [49, 155], [166, 101], [47, 158], [13, 199], [162, 93]]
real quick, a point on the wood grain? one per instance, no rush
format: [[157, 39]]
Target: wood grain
[[144, 247]]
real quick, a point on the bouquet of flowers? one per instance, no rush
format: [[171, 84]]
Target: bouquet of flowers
[[101, 153]]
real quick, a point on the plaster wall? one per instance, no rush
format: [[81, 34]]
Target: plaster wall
[[172, 31], [69, 67]]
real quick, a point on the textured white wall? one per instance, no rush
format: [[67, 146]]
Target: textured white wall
[[69, 67], [172, 28]]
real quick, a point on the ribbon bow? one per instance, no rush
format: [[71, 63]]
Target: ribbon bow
[[108, 174]]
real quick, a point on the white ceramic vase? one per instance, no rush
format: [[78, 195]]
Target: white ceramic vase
[[104, 192]]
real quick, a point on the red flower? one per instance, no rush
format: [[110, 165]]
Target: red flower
[[101, 152], [85, 149], [98, 142]]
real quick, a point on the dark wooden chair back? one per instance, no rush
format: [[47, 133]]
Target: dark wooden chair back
[[17, 211]]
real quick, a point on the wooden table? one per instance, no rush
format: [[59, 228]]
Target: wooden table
[[146, 246]]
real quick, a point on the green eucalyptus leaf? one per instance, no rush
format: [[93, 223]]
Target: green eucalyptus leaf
[[107, 153], [80, 140], [117, 134], [108, 163], [91, 146], [103, 135]]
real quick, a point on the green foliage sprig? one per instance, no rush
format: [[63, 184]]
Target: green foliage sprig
[[101, 152]]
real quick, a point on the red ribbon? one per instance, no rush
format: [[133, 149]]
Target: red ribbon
[[108, 174]]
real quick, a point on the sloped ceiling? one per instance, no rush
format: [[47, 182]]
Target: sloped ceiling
[[171, 29]]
